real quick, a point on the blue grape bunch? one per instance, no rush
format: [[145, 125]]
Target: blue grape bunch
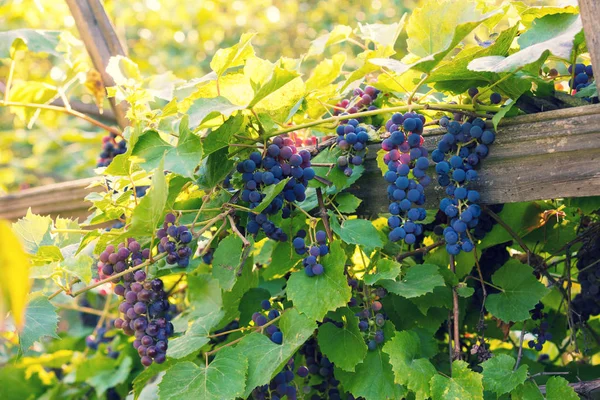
[[281, 160], [541, 333], [406, 159], [318, 374], [312, 260], [281, 386], [260, 319], [466, 145], [110, 149], [371, 323], [584, 74], [352, 140], [175, 241]]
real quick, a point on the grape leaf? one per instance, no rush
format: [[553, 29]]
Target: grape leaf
[[270, 193], [410, 368], [233, 56], [214, 168], [537, 45], [527, 391], [110, 377], [521, 291], [419, 279], [149, 212], [347, 202], [181, 159], [345, 347], [265, 358], [464, 384], [226, 261], [338, 34], [373, 378], [223, 379], [196, 335], [279, 78], [557, 388], [382, 34], [250, 304], [41, 320], [283, 259], [325, 72], [499, 376], [316, 295], [33, 231], [360, 232], [231, 300], [36, 41], [203, 109], [219, 138], [522, 218], [386, 269]]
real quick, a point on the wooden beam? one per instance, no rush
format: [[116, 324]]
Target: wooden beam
[[548, 155], [590, 15], [101, 42]]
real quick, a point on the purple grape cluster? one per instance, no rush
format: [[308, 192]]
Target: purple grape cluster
[[587, 303], [318, 368], [407, 162], [352, 140], [175, 241], [260, 319], [281, 161], [541, 332], [468, 143], [362, 101], [144, 309], [371, 323], [116, 260], [584, 74], [110, 149], [311, 263], [282, 385], [93, 341]]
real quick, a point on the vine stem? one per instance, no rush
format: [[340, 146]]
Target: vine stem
[[414, 92], [455, 314], [520, 353], [65, 110], [11, 72], [86, 310], [424, 250], [412, 107], [324, 215]]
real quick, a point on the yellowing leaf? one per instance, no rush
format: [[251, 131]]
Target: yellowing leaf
[[14, 269]]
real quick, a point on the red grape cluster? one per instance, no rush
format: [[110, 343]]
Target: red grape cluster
[[362, 101], [175, 241]]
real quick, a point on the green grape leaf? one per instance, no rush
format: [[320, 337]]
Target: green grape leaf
[[419, 279], [316, 295], [17, 383], [382, 34], [527, 391], [279, 78], [111, 377], [270, 193], [204, 109], [386, 270], [403, 313], [233, 56], [360, 232], [522, 218], [373, 379], [266, 358], [226, 261], [143, 380], [214, 169], [507, 109], [33, 231], [283, 259], [223, 379], [347, 203], [221, 137], [410, 368], [41, 320], [36, 41], [499, 376], [247, 281], [521, 291], [435, 28], [555, 34], [325, 72], [345, 346], [181, 159], [557, 388], [338, 34], [464, 384], [196, 335], [464, 291], [149, 212]]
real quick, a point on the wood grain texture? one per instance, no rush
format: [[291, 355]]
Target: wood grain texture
[[590, 15], [543, 156], [101, 41]]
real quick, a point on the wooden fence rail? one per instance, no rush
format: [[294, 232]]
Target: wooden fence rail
[[555, 154]]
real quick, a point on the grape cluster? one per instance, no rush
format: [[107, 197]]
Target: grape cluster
[[110, 149], [145, 304], [87, 319], [300, 141], [311, 263], [175, 241], [259, 318], [318, 368], [587, 303], [371, 322], [468, 142], [537, 314], [280, 386], [93, 341], [486, 223], [407, 162], [583, 76], [352, 140], [281, 161], [362, 100], [495, 98]]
